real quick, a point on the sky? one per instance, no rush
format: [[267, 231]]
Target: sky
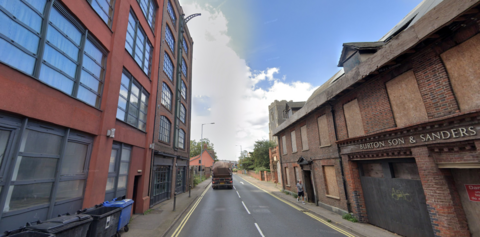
[[249, 53]]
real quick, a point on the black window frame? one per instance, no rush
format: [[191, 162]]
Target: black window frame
[[111, 4], [185, 46], [184, 68], [40, 62], [171, 12], [170, 39], [145, 14], [181, 141], [165, 129], [182, 113], [139, 29], [168, 63], [183, 90], [164, 97], [142, 92], [116, 191]]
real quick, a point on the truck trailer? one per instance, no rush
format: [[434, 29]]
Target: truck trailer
[[222, 175]]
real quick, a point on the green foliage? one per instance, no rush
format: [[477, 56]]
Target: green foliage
[[349, 217], [234, 170], [196, 147], [286, 192], [261, 169], [294, 195], [260, 154], [198, 179], [146, 212]]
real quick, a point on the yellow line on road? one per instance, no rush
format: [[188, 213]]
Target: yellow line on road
[[185, 219], [308, 214]]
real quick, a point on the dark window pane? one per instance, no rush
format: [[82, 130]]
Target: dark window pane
[[28, 168], [169, 38], [171, 12], [113, 156], [125, 155], [41, 143], [184, 67], [184, 90], [70, 189], [185, 46], [110, 183], [168, 66], [122, 182], [124, 168], [132, 120], [24, 196], [74, 159], [4, 137]]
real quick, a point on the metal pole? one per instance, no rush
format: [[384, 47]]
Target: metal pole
[[201, 153], [174, 200], [189, 190]]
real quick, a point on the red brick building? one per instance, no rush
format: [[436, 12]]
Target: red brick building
[[394, 137], [78, 104]]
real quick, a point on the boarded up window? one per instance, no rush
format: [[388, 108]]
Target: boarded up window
[[294, 141], [323, 130], [303, 132], [298, 174], [372, 170], [405, 171], [287, 175], [331, 180], [354, 119], [462, 66], [284, 145], [406, 100]]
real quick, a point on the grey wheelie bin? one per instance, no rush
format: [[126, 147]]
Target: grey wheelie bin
[[25, 233], [105, 220], [63, 226]]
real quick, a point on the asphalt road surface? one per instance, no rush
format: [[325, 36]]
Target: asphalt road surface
[[249, 211]]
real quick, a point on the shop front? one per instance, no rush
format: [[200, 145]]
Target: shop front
[[161, 179], [181, 178]]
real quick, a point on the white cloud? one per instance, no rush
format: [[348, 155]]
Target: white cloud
[[235, 103]]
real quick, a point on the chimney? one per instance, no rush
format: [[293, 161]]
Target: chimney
[[205, 147]]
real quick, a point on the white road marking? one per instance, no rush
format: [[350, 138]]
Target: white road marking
[[238, 195], [242, 182], [259, 230], [246, 207], [234, 188]]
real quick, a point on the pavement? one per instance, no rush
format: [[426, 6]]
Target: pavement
[[358, 229], [160, 218]]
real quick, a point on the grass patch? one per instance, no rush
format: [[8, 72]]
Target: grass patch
[[198, 179], [328, 220], [294, 195], [147, 211], [349, 217]]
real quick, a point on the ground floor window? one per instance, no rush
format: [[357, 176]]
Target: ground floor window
[[331, 186], [118, 171], [180, 180], [43, 169]]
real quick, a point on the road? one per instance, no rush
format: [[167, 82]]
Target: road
[[249, 211]]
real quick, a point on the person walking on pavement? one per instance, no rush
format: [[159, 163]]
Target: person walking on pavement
[[300, 192]]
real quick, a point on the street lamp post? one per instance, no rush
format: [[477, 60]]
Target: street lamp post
[[201, 150], [241, 153]]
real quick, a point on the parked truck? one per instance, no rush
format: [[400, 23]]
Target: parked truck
[[222, 175]]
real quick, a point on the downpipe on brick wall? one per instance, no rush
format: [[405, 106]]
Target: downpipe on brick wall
[[340, 157]]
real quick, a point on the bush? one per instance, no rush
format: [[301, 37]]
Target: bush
[[234, 170], [198, 179], [260, 169], [294, 195], [349, 217]]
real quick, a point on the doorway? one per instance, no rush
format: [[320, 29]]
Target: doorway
[[135, 188], [309, 193]]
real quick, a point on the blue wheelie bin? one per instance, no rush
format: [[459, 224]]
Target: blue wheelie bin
[[126, 205]]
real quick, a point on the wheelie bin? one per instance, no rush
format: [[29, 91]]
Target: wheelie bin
[[126, 205], [63, 226], [105, 220], [25, 233]]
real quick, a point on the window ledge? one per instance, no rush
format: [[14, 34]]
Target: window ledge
[[294, 152], [130, 125], [329, 145], [287, 185], [306, 150], [333, 197]]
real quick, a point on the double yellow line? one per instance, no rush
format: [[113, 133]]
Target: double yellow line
[[185, 219], [307, 213]]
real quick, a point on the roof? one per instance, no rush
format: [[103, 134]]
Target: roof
[[327, 84], [432, 20], [296, 105], [209, 152]]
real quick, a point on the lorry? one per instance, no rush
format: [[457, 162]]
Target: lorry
[[222, 175]]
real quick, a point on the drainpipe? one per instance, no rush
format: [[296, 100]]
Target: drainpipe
[[340, 157], [281, 165]]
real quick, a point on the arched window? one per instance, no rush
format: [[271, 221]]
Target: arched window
[[166, 97], [168, 66], [183, 113], [181, 139], [165, 128]]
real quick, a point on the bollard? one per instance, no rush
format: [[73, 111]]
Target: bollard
[[174, 200], [189, 190]]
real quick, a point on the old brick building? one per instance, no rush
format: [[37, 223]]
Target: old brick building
[[395, 137], [78, 100]]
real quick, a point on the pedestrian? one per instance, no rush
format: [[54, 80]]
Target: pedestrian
[[300, 192]]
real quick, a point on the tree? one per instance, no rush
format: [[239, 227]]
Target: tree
[[196, 147], [260, 154], [246, 162]]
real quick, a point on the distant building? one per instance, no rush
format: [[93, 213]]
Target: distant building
[[205, 160], [292, 107], [278, 113]]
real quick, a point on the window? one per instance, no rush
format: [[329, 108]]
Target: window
[[57, 61], [303, 133], [185, 46], [51, 166], [118, 171], [133, 102], [298, 174], [184, 90], [284, 145], [166, 97], [168, 66], [353, 119], [323, 131], [287, 175], [294, 141], [331, 181], [170, 39], [171, 12], [104, 9], [184, 68], [183, 113], [149, 8], [165, 127], [138, 45], [181, 139]]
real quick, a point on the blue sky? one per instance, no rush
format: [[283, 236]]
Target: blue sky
[[247, 53]]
